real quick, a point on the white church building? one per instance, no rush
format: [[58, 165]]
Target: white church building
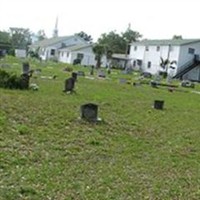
[[146, 55]]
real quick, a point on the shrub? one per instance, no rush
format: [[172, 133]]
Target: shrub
[[12, 81]]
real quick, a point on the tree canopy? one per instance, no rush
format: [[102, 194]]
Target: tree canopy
[[118, 43], [41, 35], [85, 36], [20, 38]]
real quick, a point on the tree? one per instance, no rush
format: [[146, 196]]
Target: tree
[[5, 43], [85, 36], [131, 36], [4, 37], [99, 51], [41, 35], [20, 38], [118, 43], [113, 42], [175, 37]]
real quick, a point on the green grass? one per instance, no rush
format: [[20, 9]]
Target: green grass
[[136, 152]]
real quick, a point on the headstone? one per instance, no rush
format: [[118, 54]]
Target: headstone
[[24, 79], [187, 84], [25, 68], [38, 71], [122, 80], [101, 74], [154, 84], [89, 112], [146, 74], [74, 75], [158, 104], [80, 73], [69, 85], [92, 70], [24, 83]]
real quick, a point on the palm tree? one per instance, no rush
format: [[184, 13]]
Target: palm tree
[[98, 50], [164, 63]]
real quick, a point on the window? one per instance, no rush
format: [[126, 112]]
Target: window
[[146, 48], [80, 56], [191, 51], [158, 48], [53, 52], [67, 54], [139, 63], [135, 48], [149, 64]]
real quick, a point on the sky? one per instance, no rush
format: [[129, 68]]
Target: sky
[[154, 19]]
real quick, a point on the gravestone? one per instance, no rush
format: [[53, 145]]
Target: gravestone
[[154, 84], [89, 112], [158, 104], [25, 68], [38, 71], [69, 85], [92, 70], [122, 80], [80, 73], [101, 74], [24, 80], [74, 75]]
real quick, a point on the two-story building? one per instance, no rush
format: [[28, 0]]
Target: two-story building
[[147, 55]]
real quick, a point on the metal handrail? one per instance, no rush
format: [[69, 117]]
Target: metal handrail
[[185, 66]]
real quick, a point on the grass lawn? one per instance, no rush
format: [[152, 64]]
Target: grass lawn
[[136, 152]]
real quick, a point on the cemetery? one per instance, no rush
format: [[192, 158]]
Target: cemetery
[[52, 146]]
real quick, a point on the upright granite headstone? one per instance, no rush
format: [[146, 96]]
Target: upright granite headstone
[[92, 70], [74, 75], [25, 68], [89, 112], [69, 85], [158, 104], [80, 73]]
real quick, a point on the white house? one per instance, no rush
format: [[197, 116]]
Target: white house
[[49, 48], [83, 52], [146, 55], [66, 49]]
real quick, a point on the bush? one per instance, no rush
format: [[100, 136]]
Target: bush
[[12, 81]]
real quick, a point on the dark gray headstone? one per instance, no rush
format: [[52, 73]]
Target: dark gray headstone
[[92, 70], [158, 104], [89, 112], [69, 85], [25, 68], [81, 73], [74, 75]]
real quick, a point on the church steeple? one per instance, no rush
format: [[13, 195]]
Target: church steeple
[[55, 31]]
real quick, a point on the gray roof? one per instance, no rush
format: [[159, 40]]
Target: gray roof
[[75, 47], [52, 41], [120, 56], [173, 42]]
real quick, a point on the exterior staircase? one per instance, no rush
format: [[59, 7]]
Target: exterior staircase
[[187, 67]]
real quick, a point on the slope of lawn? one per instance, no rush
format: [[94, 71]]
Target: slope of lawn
[[135, 152]]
